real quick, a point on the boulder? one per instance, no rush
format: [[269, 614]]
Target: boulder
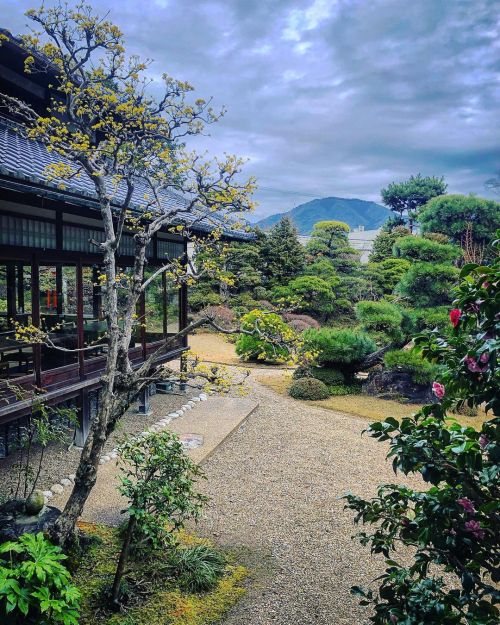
[[35, 502], [397, 385], [14, 521]]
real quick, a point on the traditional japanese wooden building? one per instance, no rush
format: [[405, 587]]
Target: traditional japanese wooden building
[[49, 272]]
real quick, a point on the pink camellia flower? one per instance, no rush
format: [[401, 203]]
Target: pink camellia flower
[[475, 529], [484, 441], [484, 357], [438, 390], [473, 366], [467, 505], [486, 285], [455, 316]]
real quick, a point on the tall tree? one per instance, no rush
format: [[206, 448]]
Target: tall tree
[[104, 125], [283, 256], [455, 215], [329, 239], [404, 198]]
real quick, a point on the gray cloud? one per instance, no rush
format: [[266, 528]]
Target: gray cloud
[[331, 97]]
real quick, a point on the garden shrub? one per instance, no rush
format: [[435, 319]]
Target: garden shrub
[[380, 317], [308, 294], [425, 250], [411, 361], [198, 568], [428, 284], [432, 318], [329, 376], [309, 388], [338, 348], [309, 321], [273, 345], [260, 292], [384, 242], [35, 586], [336, 390], [199, 299], [223, 316], [387, 273]]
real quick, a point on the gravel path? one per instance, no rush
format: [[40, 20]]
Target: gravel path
[[275, 488]]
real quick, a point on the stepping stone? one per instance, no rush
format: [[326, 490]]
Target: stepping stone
[[57, 489], [66, 482]]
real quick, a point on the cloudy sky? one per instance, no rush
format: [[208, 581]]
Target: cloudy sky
[[330, 97]]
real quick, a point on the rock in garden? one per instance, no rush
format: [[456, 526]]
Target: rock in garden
[[57, 489], [66, 482], [35, 502]]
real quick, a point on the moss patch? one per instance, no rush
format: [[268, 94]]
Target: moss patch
[[366, 406], [155, 598]]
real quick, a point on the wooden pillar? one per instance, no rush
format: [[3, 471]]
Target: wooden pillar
[[79, 317], [11, 291], [96, 293], [164, 304], [35, 313], [59, 290], [20, 288]]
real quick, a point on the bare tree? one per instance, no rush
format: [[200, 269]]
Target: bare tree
[[104, 124]]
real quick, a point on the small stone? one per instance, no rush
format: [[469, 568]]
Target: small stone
[[173, 415], [203, 398], [102, 461], [145, 434], [195, 399], [48, 494], [57, 489], [113, 455], [185, 407], [188, 407], [35, 502], [66, 482], [105, 458], [180, 412], [72, 477]]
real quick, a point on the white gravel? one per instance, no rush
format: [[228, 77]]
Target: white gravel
[[275, 487]]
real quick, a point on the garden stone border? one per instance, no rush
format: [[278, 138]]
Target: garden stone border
[[65, 482]]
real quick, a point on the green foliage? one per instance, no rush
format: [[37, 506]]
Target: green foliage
[[283, 256], [411, 361], [452, 527], [198, 568], [339, 349], [386, 274], [200, 298], [309, 388], [159, 481], [271, 339], [337, 390], [329, 240], [432, 318], [404, 198], [422, 249], [428, 284], [384, 243], [380, 317], [450, 214], [323, 268], [35, 587], [330, 377], [308, 294]]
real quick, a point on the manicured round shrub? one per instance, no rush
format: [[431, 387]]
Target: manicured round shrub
[[270, 344], [329, 376], [423, 249], [339, 349], [428, 284], [410, 361], [309, 388], [380, 317]]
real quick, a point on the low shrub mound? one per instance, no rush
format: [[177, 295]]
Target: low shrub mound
[[344, 389], [382, 318], [309, 388]]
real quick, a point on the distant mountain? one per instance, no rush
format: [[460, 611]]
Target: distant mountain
[[353, 212]]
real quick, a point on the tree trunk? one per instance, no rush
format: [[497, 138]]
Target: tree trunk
[[115, 593]]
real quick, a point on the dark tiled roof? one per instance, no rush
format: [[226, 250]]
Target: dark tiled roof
[[24, 160]]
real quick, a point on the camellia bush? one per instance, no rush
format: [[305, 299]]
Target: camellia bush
[[452, 526]]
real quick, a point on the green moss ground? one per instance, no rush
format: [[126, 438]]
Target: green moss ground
[[155, 599]]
